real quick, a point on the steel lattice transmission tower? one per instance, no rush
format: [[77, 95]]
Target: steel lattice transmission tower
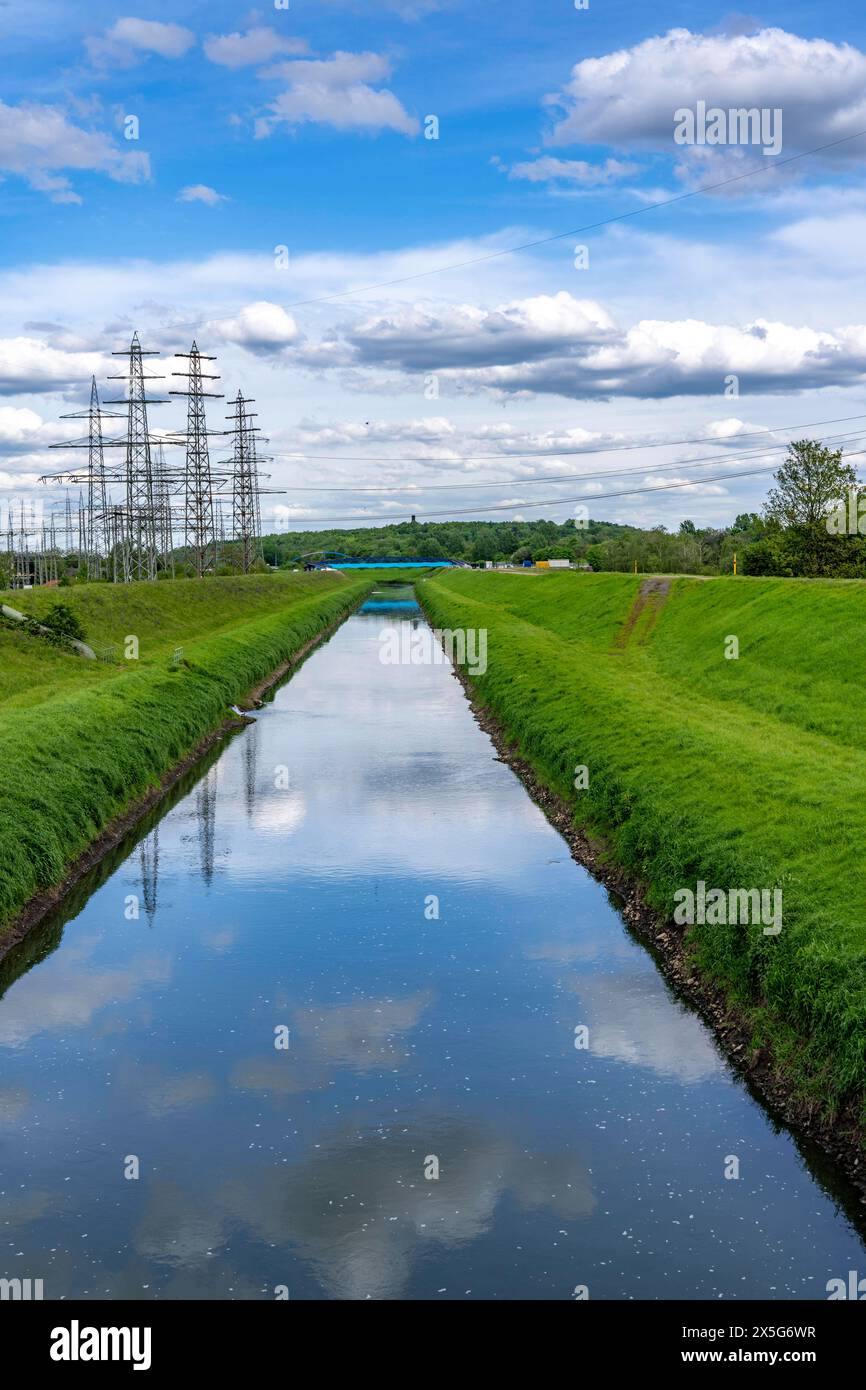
[[162, 485], [127, 518], [96, 530], [246, 506], [140, 557], [199, 526]]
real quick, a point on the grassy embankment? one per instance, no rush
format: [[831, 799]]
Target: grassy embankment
[[409, 574], [746, 773], [81, 740]]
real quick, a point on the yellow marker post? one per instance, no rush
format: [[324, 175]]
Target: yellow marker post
[[735, 562]]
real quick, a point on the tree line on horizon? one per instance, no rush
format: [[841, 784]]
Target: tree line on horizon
[[810, 527], [806, 529]]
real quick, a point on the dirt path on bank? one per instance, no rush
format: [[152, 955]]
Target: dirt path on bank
[[651, 599]]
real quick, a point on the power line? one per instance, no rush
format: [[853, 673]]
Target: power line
[[556, 501], [553, 453], [611, 473], [765, 168], [563, 477], [589, 227]]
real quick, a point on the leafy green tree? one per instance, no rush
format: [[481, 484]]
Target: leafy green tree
[[809, 483], [596, 555], [486, 547], [763, 558], [553, 552]]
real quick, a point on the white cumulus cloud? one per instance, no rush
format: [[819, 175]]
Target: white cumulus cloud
[[257, 45], [627, 98], [38, 141], [571, 171], [130, 39], [338, 92], [28, 364], [201, 193], [22, 429], [557, 345], [262, 328], [422, 337]]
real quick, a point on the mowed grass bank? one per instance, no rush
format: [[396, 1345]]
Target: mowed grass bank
[[745, 773], [81, 740], [162, 616]]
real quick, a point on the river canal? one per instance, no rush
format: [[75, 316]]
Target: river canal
[[311, 1032]]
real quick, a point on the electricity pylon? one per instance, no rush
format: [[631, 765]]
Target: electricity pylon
[[95, 528], [246, 507], [140, 559], [199, 528]]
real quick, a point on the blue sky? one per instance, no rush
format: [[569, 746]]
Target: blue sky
[[305, 127]]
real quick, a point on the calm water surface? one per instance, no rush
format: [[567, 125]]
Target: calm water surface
[[290, 887]]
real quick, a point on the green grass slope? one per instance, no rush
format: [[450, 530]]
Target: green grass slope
[[80, 740], [745, 773], [162, 615]]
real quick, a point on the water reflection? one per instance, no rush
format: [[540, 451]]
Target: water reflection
[[251, 775], [359, 1212], [149, 856], [59, 1002], [205, 805], [284, 889], [362, 1215]]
